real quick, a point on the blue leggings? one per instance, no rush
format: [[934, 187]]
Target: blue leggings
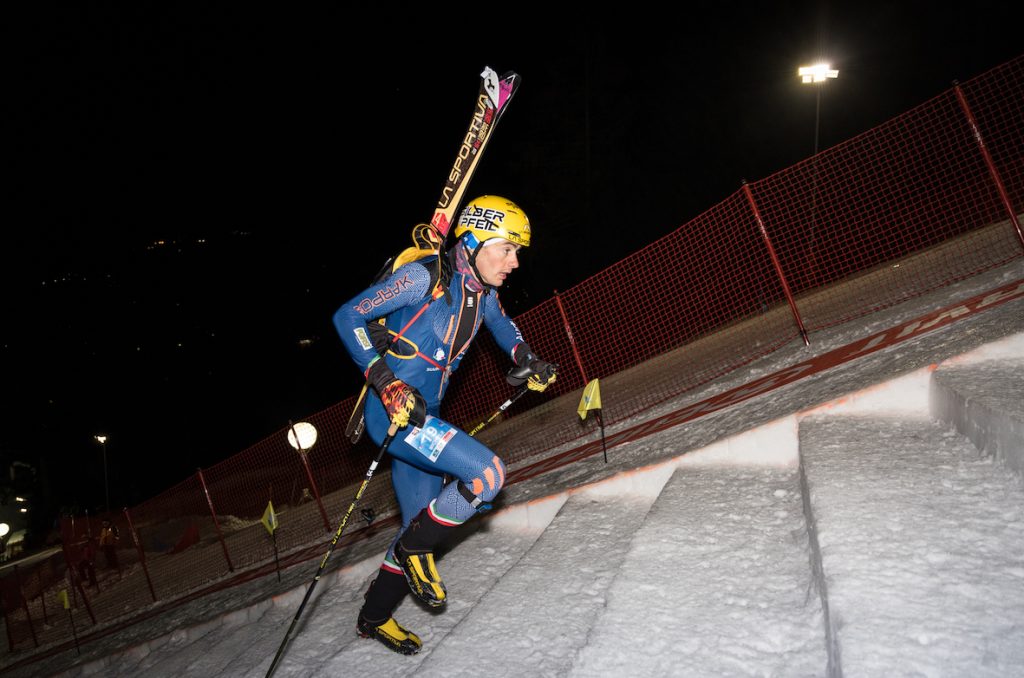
[[421, 458]]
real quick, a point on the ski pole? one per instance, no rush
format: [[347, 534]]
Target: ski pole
[[504, 406], [337, 535]]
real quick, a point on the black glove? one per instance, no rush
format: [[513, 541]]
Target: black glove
[[531, 370], [403, 403]]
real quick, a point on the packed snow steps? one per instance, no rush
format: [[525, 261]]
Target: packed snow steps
[[588, 539], [225, 645], [686, 548], [471, 565], [985, 402], [882, 492]]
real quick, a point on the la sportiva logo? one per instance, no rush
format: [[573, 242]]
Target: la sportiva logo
[[471, 142]]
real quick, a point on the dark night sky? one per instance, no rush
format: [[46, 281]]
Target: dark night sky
[[284, 154]]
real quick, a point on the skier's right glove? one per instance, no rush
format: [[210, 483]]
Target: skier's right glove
[[403, 403]]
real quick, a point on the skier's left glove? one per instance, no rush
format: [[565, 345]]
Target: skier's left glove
[[537, 374]]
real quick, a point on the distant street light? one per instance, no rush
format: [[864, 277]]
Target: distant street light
[[102, 440]]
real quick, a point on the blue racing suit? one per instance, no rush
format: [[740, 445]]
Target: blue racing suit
[[429, 331]]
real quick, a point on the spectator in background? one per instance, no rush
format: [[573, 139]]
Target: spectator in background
[[108, 542], [87, 561]]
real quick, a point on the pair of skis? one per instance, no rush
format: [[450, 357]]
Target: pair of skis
[[429, 238], [491, 102]]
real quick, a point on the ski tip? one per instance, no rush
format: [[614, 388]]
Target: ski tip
[[499, 90]]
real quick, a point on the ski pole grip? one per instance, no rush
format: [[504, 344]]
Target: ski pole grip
[[518, 375]]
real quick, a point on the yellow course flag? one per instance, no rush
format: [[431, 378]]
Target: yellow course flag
[[62, 597], [591, 399], [269, 518]]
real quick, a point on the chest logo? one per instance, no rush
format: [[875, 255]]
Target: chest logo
[[439, 354]]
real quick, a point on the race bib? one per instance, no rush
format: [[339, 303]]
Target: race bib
[[432, 438]]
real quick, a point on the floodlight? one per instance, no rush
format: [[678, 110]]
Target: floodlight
[[817, 73]]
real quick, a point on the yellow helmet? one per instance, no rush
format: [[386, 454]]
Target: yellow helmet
[[491, 216]]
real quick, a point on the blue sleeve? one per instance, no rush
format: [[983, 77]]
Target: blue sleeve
[[506, 332], [407, 286]]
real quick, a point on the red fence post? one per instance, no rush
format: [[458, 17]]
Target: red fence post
[[142, 552], [216, 525], [775, 262], [76, 583], [993, 172], [24, 605], [309, 475], [572, 340]]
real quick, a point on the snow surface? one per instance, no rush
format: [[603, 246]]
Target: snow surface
[[833, 527]]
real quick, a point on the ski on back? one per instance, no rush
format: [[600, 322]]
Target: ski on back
[[492, 100]]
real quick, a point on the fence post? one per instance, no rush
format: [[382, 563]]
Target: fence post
[[142, 552], [213, 513], [42, 599], [7, 625], [76, 583], [992, 171], [775, 263], [309, 475], [572, 340], [24, 605]]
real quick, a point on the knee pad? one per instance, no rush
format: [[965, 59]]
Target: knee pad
[[489, 482], [478, 504]]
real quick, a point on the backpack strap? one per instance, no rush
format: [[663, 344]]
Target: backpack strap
[[426, 243]]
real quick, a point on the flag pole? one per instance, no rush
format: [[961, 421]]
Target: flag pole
[[63, 597], [591, 400], [269, 521], [604, 447]]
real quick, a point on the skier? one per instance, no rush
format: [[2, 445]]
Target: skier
[[432, 309]]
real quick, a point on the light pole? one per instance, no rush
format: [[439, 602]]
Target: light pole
[[302, 436], [817, 75], [102, 440]]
